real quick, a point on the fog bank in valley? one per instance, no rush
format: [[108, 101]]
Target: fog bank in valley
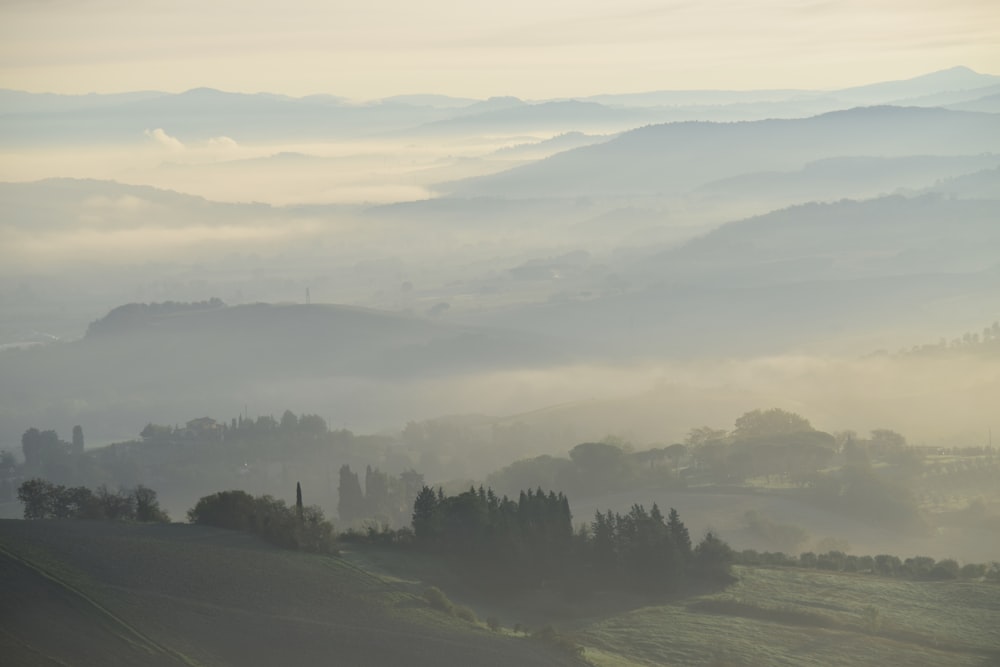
[[473, 289]]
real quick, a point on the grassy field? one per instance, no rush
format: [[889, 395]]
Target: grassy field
[[88, 593], [781, 616], [100, 593], [794, 617]]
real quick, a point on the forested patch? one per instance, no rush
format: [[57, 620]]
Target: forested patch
[[530, 542], [45, 500]]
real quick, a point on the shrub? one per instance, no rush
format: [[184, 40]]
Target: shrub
[[713, 558], [549, 635], [973, 570], [226, 509], [871, 619], [832, 560], [918, 567], [945, 569], [886, 565], [777, 558], [436, 598], [267, 517], [465, 613]]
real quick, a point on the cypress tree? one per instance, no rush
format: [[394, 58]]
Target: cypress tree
[[425, 514], [78, 440], [351, 500], [298, 499], [679, 534]]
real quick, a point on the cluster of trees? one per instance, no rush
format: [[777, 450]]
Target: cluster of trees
[[260, 455], [882, 445], [782, 444], [8, 475], [920, 568], [131, 315], [386, 500], [522, 543], [593, 469], [641, 550], [763, 443], [45, 500], [47, 455], [530, 542], [771, 443], [290, 426], [987, 342], [301, 528]]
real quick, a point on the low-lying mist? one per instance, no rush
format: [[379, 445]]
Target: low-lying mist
[[934, 401], [944, 400]]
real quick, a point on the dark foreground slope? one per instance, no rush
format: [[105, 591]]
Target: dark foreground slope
[[92, 593]]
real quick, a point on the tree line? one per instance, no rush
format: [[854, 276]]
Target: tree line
[[301, 527], [917, 568], [386, 500], [45, 500], [531, 543]]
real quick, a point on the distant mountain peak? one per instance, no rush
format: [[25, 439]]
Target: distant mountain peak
[[951, 79], [203, 91]]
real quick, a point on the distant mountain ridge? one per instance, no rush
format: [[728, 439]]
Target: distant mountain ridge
[[201, 113], [675, 157], [790, 278]]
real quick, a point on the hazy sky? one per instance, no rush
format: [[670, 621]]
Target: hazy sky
[[530, 48]]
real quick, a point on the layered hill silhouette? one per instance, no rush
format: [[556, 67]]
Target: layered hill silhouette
[[230, 344], [791, 278], [202, 113], [176, 364], [833, 179], [673, 158]]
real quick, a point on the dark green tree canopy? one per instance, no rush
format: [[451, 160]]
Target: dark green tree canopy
[[766, 423]]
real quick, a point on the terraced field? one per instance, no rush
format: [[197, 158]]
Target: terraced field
[[99, 593]]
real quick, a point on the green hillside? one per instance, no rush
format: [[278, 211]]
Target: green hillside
[[769, 616], [795, 618], [101, 593]]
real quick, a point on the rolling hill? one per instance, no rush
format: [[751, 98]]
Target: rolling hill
[[785, 280], [178, 364], [87, 593], [81, 593], [674, 158], [834, 179], [787, 617]]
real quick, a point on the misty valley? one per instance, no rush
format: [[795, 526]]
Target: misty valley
[[667, 378]]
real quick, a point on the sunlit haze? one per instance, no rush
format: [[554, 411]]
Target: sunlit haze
[[530, 49], [544, 333]]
